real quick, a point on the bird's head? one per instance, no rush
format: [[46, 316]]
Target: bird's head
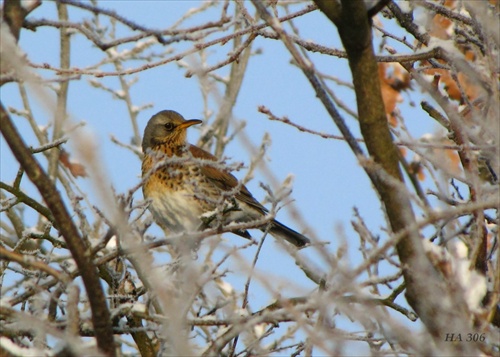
[[166, 127]]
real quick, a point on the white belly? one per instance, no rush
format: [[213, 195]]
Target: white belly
[[180, 212], [176, 211]]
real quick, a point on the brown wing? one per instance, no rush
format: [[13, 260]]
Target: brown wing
[[224, 180]]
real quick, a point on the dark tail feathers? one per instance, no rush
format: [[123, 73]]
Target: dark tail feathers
[[279, 230]]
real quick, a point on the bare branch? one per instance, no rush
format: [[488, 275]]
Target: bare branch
[[100, 313]]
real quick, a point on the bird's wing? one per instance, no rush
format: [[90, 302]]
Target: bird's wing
[[223, 179]]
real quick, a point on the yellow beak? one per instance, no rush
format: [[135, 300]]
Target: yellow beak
[[189, 123]]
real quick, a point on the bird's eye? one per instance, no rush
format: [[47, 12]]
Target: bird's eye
[[169, 126]]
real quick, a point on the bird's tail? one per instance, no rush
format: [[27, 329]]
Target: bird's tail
[[279, 230]]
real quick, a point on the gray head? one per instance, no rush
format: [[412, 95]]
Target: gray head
[[166, 127]]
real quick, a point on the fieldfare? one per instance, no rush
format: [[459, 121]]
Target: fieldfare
[[187, 186]]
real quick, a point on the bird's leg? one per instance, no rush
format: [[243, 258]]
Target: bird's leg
[[205, 221], [231, 206]]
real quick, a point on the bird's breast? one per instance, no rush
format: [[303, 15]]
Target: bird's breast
[[178, 211], [171, 176], [177, 192]]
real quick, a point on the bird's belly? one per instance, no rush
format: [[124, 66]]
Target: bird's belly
[[177, 211]]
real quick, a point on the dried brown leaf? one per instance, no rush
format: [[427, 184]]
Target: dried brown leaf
[[76, 169]]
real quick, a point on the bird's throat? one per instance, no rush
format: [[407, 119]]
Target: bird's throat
[[171, 150]]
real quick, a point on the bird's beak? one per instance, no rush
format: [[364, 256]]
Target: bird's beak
[[189, 123]]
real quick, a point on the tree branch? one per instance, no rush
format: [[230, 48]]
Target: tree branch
[[100, 313], [420, 276], [24, 198]]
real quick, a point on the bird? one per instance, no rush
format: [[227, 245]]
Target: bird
[[186, 185]]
